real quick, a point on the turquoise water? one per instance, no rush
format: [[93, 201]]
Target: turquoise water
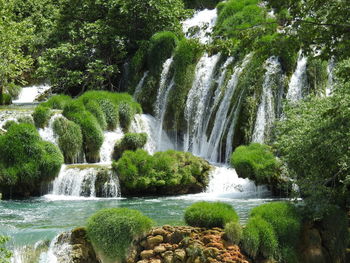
[[30, 221]]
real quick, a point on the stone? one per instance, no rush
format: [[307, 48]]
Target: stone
[[168, 257], [153, 241], [180, 254], [146, 254], [155, 261], [175, 237], [160, 231], [159, 249]]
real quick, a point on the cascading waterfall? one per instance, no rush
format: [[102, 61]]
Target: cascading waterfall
[[30, 94], [60, 250], [330, 72], [298, 82], [47, 133], [197, 100], [110, 138], [205, 20], [85, 181], [266, 112], [140, 85]]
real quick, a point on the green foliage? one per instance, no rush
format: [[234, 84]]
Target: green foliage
[[317, 75], [209, 215], [96, 109], [187, 54], [201, 4], [70, 139], [113, 230], [163, 173], [26, 119], [5, 255], [111, 113], [8, 124], [234, 232], [130, 142], [57, 102], [5, 99], [26, 160], [41, 116], [256, 162], [273, 230]]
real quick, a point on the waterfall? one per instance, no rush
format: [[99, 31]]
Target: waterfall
[[298, 81], [140, 85], [200, 26], [85, 181], [330, 72], [266, 111], [60, 250], [197, 100], [150, 126], [110, 138], [30, 94], [224, 181], [47, 133]]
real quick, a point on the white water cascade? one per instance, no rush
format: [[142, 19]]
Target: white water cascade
[[201, 25], [47, 133], [266, 111], [84, 180], [197, 101], [140, 85], [110, 138], [60, 250], [30, 94], [330, 72], [298, 81]]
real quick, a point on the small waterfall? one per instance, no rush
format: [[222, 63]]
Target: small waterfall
[[197, 100], [140, 85], [47, 133], [85, 181], [200, 26], [150, 125], [60, 250], [225, 182], [266, 112], [110, 138], [30, 94], [298, 82], [330, 72]]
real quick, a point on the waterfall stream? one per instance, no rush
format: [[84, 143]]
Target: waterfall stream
[[298, 82], [30, 94]]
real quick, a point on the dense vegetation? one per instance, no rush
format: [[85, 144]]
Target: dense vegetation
[[26, 161], [113, 230], [5, 254], [164, 173], [209, 215], [130, 142]]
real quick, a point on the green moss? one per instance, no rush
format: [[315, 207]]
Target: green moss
[[26, 119], [95, 109], [201, 4], [234, 232], [26, 161], [187, 54], [5, 99], [169, 172], [130, 142], [251, 240], [126, 115], [113, 230], [70, 139], [257, 163], [8, 124], [209, 215], [57, 102], [41, 116]]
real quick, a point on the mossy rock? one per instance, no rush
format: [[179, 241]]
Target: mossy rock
[[130, 142]]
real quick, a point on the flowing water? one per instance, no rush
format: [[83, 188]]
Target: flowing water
[[30, 94], [298, 82]]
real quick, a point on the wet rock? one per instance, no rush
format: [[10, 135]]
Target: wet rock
[[153, 241], [159, 249], [146, 254]]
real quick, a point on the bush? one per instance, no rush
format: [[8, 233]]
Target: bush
[[70, 139], [6, 99], [234, 232], [201, 4], [5, 255], [131, 142], [111, 113], [209, 215], [8, 124], [169, 172], [126, 115], [26, 161], [41, 116], [251, 240], [26, 119], [113, 230], [256, 162], [57, 102], [95, 109]]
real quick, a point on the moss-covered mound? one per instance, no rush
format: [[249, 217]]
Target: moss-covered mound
[[130, 142], [165, 173], [26, 161], [41, 116], [113, 230], [206, 214]]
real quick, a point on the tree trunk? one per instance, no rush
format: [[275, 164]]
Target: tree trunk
[[1, 95]]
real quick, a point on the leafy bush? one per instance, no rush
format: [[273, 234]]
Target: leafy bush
[[113, 230], [201, 4], [205, 214], [57, 102], [26, 161], [70, 139], [169, 172], [234, 232], [256, 162], [126, 115], [41, 116], [5, 255], [111, 113], [8, 124], [5, 99], [131, 142], [95, 109], [273, 231], [26, 119]]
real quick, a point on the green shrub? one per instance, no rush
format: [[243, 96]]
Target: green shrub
[[209, 215], [26, 161], [5, 254], [113, 230], [6, 99], [95, 109], [8, 124], [57, 102], [126, 115], [256, 162], [201, 4], [111, 113], [169, 172], [251, 240], [234, 232], [70, 139], [131, 142], [92, 134], [72, 107], [41, 116], [26, 119]]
